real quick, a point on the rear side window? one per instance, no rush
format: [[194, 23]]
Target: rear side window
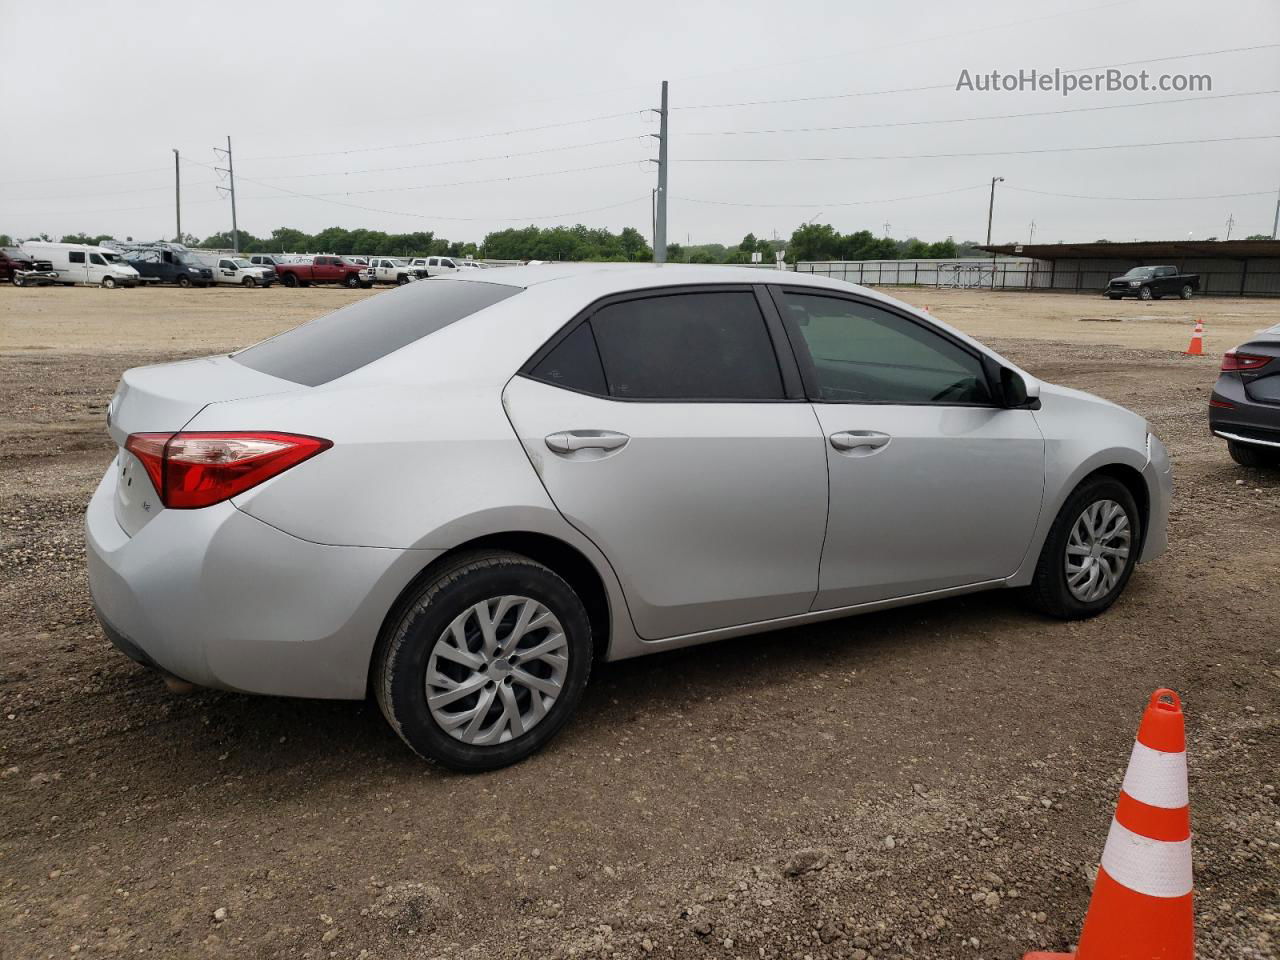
[[332, 346], [574, 363], [687, 346], [77, 256]]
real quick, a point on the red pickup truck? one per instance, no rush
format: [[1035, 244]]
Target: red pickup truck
[[325, 269]]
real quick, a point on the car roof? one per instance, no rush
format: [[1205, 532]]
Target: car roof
[[622, 277]]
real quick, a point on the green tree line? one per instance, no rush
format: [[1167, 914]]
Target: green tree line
[[809, 241]]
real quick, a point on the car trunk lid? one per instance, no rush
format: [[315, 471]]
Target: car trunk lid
[[163, 399]]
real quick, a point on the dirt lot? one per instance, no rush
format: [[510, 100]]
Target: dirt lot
[[933, 782]]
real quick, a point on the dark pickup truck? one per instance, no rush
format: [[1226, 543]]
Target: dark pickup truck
[[22, 270], [1152, 283], [325, 269]]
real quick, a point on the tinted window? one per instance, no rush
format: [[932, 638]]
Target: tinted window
[[863, 354], [77, 256], [97, 258], [226, 265], [345, 340], [695, 346], [574, 363]]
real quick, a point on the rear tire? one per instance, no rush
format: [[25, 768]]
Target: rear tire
[[1186, 291], [1062, 564], [1248, 455], [437, 643]]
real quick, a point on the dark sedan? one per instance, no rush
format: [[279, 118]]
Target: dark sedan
[[1244, 408]]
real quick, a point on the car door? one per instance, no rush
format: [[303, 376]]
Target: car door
[[226, 272], [933, 485], [78, 270], [665, 430]]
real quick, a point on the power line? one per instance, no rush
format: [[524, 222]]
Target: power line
[[114, 193], [982, 153], [833, 203], [447, 163], [1207, 196], [951, 86], [999, 116], [466, 139]]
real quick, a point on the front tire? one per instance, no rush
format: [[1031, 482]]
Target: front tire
[[108, 283], [1248, 455], [1090, 552], [18, 281], [352, 282], [184, 282], [401, 280], [248, 282], [485, 662], [1144, 293], [1186, 291]]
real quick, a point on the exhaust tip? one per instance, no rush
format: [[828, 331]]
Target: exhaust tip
[[176, 684]]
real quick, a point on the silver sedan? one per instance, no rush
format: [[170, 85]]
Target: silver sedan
[[458, 495]]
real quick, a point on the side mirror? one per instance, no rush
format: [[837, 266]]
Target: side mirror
[[1017, 394]]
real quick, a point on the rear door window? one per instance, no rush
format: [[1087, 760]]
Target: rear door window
[[347, 339], [77, 256], [710, 345]]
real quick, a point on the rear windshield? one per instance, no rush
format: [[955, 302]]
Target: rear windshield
[[332, 346]]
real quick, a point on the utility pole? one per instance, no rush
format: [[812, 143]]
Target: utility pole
[[1231, 222], [660, 195], [991, 209], [230, 171], [177, 194], [1032, 238]]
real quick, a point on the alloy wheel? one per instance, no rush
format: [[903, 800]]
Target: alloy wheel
[[1097, 550], [496, 670]]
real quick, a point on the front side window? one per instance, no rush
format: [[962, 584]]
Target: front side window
[[97, 258], [861, 353], [687, 346], [226, 265]]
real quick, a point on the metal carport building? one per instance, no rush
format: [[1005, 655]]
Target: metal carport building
[[1232, 268]]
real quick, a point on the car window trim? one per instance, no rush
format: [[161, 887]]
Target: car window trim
[[808, 373], [792, 385]]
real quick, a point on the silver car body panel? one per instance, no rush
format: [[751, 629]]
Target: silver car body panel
[[679, 507], [426, 458]]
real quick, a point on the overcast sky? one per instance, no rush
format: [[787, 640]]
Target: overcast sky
[[322, 98]]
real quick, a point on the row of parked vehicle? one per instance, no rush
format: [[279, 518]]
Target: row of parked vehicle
[[129, 264]]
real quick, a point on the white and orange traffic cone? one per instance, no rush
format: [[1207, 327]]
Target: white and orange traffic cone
[[1141, 906], [1196, 347]]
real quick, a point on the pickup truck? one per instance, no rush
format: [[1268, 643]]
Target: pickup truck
[[325, 269], [435, 266], [1152, 283], [395, 270], [22, 270]]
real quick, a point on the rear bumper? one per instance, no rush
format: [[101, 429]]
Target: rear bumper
[[220, 599], [1248, 421]]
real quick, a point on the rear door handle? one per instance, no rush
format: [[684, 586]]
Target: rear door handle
[[863, 441], [569, 441]]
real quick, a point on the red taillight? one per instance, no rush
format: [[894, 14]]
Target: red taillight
[[1243, 361], [192, 470]]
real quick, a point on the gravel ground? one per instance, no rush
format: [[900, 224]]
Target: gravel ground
[[933, 782]]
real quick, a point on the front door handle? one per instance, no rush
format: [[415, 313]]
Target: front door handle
[[570, 441], [863, 441]]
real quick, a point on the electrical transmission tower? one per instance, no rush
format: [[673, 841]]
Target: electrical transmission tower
[[230, 171]]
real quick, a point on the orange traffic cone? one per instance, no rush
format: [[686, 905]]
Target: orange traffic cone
[[1196, 347], [1141, 906]]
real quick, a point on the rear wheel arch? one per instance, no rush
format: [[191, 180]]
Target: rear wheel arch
[[563, 559]]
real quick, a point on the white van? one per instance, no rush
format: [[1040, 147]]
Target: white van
[[82, 263], [228, 268]]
